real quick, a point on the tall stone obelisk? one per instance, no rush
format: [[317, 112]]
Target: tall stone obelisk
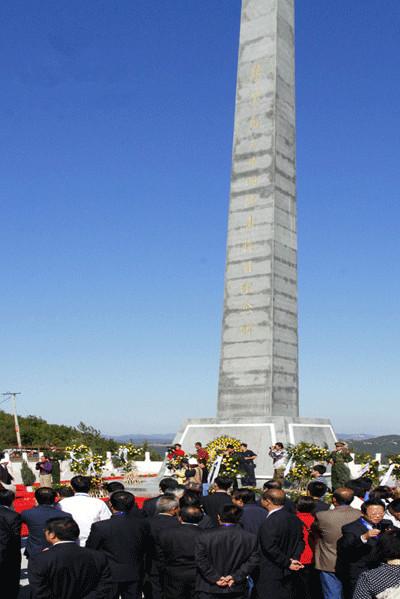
[[258, 369], [258, 382]]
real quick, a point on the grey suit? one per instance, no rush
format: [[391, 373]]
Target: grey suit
[[327, 530]]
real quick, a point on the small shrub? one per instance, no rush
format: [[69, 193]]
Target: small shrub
[[28, 477], [56, 474]]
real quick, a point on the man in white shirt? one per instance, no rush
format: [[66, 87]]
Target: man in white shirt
[[279, 458], [84, 509]]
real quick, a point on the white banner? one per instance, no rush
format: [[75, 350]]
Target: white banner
[[214, 470], [364, 470], [387, 475], [291, 464]]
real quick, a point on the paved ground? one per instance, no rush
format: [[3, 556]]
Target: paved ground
[[24, 593]]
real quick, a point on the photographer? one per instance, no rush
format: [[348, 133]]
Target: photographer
[[175, 452], [279, 458]]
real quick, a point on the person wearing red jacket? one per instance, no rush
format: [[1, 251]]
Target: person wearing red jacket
[[308, 580], [177, 452]]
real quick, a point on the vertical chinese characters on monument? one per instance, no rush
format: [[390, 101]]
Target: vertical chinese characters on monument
[[258, 369], [258, 382]]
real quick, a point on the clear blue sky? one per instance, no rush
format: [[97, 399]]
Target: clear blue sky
[[116, 136]]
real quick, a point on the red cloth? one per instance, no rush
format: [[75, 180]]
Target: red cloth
[[307, 557], [202, 454], [176, 453]]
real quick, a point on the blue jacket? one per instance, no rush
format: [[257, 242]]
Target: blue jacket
[[36, 519], [253, 517]]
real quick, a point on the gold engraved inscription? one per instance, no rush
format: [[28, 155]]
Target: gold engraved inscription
[[254, 123], [246, 288], [252, 181], [247, 246], [247, 307], [255, 72], [249, 222], [248, 267], [255, 96], [250, 200], [246, 329]]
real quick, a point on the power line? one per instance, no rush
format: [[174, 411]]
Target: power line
[[13, 396]]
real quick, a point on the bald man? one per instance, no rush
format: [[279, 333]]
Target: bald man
[[281, 544]]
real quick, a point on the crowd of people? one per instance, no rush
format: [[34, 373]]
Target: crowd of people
[[184, 544], [196, 467]]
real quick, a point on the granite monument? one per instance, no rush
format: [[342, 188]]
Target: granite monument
[[258, 397]]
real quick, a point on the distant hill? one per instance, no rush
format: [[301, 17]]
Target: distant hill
[[161, 439], [386, 445], [157, 444], [355, 436]]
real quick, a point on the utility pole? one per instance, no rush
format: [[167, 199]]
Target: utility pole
[[13, 396]]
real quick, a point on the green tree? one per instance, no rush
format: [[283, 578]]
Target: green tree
[[28, 477], [36, 432]]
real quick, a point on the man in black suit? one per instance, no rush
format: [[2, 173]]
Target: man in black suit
[[114, 486], [357, 547], [317, 489], [123, 540], [167, 485], [10, 546], [247, 466], [177, 554], [214, 502], [281, 544], [192, 498], [288, 506], [165, 519], [253, 515], [225, 556], [36, 519], [67, 571]]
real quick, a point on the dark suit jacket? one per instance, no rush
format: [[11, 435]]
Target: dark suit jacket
[[149, 506], [10, 543], [124, 541], [280, 539], [177, 554], [289, 505], [321, 506], [36, 519], [253, 517], [66, 571], [213, 503], [206, 522], [157, 524], [354, 556], [5, 476], [136, 513], [223, 551]]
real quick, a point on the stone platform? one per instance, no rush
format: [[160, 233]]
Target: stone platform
[[259, 434]]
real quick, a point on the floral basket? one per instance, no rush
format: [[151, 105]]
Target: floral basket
[[230, 464]]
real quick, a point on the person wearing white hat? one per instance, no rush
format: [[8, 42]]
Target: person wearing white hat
[[194, 473]]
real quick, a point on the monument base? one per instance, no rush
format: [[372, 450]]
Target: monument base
[[259, 434]]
